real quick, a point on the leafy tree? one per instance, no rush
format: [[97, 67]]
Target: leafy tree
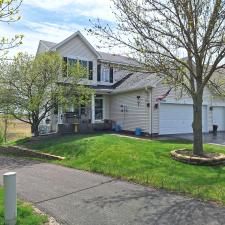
[[160, 32], [31, 87], [9, 10]]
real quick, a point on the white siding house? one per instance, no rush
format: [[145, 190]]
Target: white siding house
[[128, 99]]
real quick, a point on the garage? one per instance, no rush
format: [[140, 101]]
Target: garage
[[178, 118], [219, 117]]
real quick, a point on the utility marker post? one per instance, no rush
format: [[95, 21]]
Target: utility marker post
[[10, 201]]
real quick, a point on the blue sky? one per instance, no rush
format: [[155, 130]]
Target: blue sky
[[55, 20]]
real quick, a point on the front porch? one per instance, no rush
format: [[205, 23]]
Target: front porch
[[85, 119]]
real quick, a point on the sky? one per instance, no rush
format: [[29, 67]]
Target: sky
[[56, 20]]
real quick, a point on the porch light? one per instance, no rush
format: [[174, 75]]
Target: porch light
[[211, 108], [138, 100], [47, 121]]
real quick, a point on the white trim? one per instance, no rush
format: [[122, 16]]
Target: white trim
[[92, 108]]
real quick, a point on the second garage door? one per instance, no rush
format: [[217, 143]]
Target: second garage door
[[219, 117], [177, 119]]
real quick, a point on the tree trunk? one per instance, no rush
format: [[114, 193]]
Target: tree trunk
[[34, 129], [197, 125], [5, 127]]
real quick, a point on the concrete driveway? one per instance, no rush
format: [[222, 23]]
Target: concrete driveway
[[80, 198], [207, 138]]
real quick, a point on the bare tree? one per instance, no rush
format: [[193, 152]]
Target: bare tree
[[181, 39]]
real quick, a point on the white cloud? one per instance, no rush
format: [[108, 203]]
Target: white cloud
[[43, 31], [92, 9], [56, 31]]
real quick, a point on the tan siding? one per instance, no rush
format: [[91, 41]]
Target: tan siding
[[106, 107], [135, 116], [41, 48], [76, 48], [118, 74]]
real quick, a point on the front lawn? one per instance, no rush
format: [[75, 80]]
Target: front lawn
[[25, 214], [145, 162]]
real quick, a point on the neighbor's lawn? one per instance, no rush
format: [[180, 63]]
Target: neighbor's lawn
[[145, 162], [26, 215], [16, 129]]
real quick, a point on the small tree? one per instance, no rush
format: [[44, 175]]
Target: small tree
[[159, 32], [31, 87]]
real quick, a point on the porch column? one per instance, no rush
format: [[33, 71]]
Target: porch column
[[93, 108]]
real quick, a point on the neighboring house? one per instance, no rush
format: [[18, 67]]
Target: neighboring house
[[127, 98]]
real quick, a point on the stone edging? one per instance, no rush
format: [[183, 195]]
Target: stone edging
[[20, 151], [213, 161]]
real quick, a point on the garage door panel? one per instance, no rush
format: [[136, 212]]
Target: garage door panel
[[175, 119], [219, 117]]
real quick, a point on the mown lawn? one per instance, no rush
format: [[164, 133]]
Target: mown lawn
[[145, 162], [25, 214]]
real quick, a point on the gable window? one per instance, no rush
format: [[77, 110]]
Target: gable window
[[87, 65], [98, 107]]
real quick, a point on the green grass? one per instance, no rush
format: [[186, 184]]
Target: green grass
[[25, 214], [145, 162]]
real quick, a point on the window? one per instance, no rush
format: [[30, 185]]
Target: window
[[98, 108], [105, 73], [88, 65], [84, 64]]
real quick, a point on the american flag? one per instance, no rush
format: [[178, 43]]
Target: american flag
[[161, 97]]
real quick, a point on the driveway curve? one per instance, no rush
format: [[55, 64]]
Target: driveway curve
[[77, 197]]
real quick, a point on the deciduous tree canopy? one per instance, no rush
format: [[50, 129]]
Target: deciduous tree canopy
[[183, 40]]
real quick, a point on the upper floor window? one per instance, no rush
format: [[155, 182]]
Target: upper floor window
[[88, 65], [105, 73]]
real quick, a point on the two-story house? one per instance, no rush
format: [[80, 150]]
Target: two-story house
[[127, 98]]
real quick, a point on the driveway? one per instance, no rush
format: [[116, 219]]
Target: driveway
[[81, 198], [207, 138]]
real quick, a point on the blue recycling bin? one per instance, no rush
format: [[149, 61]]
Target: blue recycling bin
[[138, 131], [118, 128]]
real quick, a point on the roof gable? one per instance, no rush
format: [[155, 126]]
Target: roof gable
[[82, 38]]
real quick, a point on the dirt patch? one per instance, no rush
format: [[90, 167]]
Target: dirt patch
[[25, 152]]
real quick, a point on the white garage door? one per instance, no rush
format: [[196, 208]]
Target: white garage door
[[219, 117], [177, 119]]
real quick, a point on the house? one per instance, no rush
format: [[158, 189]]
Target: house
[[127, 98]]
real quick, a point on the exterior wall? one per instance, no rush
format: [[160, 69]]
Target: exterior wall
[[208, 100], [118, 74], [41, 48], [76, 48], [135, 116], [106, 107]]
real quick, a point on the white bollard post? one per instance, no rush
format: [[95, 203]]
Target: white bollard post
[[9, 180]]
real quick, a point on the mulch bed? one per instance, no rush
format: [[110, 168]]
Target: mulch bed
[[25, 152], [207, 159]]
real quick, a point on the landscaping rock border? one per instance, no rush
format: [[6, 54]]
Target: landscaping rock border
[[210, 159], [25, 152]]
